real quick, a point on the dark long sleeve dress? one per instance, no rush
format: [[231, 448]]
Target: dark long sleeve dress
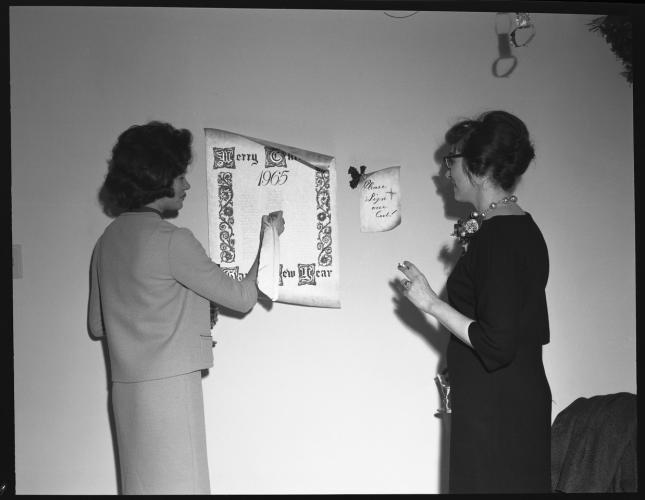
[[501, 400]]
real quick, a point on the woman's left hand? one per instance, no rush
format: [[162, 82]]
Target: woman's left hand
[[415, 287], [274, 219]]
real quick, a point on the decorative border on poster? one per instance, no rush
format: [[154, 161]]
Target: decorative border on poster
[[275, 157], [233, 272], [323, 214], [306, 274], [226, 219], [223, 158]]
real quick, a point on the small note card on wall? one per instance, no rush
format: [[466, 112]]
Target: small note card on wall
[[380, 200]]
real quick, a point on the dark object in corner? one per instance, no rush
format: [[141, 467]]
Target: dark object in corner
[[617, 32], [593, 445]]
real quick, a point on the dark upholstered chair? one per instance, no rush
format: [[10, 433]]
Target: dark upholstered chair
[[593, 445]]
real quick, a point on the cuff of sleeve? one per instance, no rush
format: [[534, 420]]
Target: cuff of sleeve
[[485, 353]]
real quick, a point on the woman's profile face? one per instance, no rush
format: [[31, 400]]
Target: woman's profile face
[[180, 186], [461, 183]]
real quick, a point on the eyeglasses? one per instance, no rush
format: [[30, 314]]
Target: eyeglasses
[[449, 160]]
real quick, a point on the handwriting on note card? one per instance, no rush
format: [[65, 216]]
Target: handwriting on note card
[[380, 202]]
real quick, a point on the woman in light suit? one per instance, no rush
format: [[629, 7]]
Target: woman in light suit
[[151, 283]]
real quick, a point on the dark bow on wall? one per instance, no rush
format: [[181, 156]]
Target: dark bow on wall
[[356, 175]]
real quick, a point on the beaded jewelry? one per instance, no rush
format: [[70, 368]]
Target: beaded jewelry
[[465, 228]]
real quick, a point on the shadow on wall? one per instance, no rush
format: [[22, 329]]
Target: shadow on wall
[[506, 62], [436, 337], [108, 373], [108, 384]]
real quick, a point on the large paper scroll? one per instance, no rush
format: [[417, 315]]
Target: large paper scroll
[[248, 178], [380, 200]]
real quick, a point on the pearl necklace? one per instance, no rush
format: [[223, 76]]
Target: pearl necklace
[[465, 228], [506, 200]]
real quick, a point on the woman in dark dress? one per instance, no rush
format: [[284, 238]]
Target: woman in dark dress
[[497, 314]]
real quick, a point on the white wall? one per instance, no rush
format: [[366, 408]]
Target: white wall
[[305, 400]]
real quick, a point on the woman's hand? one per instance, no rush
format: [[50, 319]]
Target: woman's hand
[[274, 219], [415, 287]]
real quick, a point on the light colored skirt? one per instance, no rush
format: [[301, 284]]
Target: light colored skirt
[[161, 437]]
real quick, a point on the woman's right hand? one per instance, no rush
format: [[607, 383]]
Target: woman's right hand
[[274, 219], [416, 288]]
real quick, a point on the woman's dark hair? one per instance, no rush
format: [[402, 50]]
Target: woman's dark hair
[[145, 161], [496, 142]]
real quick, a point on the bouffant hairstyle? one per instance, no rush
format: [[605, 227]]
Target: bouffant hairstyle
[[496, 143], [144, 163]]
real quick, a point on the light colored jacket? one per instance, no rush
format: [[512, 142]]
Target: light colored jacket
[[150, 287]]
